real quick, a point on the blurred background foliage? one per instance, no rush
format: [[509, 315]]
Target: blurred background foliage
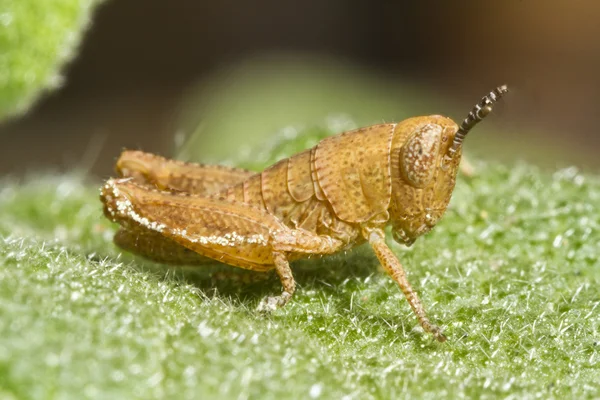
[[209, 80], [36, 39]]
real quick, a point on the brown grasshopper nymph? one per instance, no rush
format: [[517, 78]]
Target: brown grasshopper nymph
[[339, 194]]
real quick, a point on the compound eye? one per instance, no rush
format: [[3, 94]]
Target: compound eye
[[419, 155]]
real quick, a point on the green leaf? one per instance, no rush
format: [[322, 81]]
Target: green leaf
[[36, 39], [511, 272]]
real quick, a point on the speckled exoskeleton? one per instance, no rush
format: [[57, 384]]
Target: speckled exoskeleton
[[337, 195]]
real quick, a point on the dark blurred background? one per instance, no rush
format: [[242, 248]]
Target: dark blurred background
[[143, 61]]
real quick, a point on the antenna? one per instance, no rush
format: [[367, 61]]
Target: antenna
[[479, 112]]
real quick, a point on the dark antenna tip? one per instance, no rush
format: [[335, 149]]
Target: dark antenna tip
[[479, 112]]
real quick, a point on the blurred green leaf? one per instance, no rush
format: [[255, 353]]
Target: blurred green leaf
[[37, 37], [249, 102]]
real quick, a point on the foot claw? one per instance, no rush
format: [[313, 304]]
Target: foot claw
[[270, 304], [437, 334]]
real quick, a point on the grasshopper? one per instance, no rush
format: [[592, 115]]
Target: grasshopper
[[339, 194]]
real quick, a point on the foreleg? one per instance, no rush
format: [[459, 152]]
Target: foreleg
[[388, 260]]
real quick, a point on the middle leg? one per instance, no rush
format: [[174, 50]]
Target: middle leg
[[282, 267]]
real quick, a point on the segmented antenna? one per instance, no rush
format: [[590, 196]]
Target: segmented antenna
[[479, 112]]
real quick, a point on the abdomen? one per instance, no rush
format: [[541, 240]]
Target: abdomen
[[289, 190]]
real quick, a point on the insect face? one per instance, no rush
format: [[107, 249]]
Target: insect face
[[424, 179], [425, 156]]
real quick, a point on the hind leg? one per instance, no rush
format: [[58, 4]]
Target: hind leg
[[155, 247], [178, 176], [224, 230]]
